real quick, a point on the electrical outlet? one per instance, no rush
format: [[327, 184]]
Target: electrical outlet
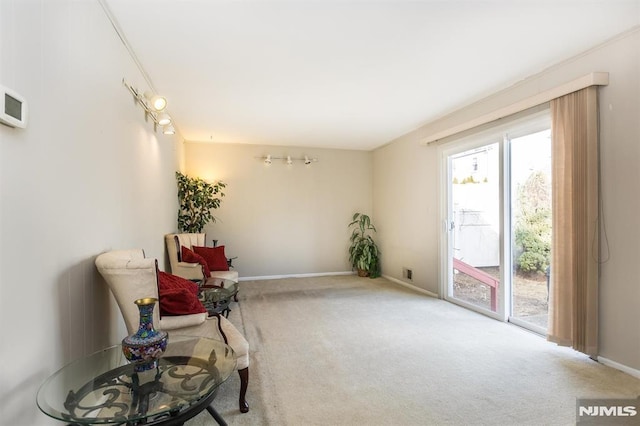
[[407, 274]]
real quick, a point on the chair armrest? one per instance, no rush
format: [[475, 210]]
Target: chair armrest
[[190, 271], [224, 275], [236, 340], [181, 321]]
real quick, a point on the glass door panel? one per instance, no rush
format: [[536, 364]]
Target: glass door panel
[[531, 233], [474, 225]]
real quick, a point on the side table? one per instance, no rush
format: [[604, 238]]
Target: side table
[[103, 388], [216, 295]]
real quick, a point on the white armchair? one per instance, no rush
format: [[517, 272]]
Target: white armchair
[[191, 271], [131, 276]]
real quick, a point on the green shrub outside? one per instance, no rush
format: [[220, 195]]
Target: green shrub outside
[[533, 224]]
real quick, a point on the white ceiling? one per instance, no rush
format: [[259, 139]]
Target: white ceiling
[[348, 74]]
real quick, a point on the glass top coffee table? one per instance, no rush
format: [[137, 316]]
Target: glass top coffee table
[[104, 388], [216, 295]]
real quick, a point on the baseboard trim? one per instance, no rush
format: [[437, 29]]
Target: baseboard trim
[[278, 277], [618, 366], [411, 286]]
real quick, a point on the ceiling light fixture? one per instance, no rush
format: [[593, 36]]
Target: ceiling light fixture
[[152, 106], [268, 159]]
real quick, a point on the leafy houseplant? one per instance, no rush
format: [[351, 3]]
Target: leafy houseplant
[[364, 254], [197, 199]]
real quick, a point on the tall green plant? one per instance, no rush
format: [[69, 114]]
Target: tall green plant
[[533, 224], [197, 200], [364, 254]]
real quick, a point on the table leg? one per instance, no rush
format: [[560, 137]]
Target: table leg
[[217, 417]]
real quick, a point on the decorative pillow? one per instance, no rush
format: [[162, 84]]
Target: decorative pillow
[[214, 256], [178, 296], [191, 257]]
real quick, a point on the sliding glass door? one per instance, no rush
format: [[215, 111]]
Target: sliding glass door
[[497, 222]]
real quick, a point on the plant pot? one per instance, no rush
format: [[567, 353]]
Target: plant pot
[[362, 273]]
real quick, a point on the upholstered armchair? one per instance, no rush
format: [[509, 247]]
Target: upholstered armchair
[[131, 276], [191, 271]]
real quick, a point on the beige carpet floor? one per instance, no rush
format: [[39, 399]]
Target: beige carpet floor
[[343, 350]]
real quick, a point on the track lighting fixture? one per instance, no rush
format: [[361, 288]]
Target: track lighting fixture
[[268, 159], [153, 106]]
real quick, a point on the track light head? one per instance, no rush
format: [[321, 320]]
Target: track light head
[[164, 119], [153, 106], [156, 102]]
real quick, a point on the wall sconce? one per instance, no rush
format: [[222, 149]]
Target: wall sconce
[[268, 159], [153, 106]]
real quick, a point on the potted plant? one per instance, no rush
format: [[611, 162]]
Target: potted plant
[[364, 254], [197, 199]]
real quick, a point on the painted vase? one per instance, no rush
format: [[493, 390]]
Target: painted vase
[[145, 346]]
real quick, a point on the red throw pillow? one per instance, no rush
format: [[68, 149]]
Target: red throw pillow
[[178, 296], [214, 256], [191, 257]]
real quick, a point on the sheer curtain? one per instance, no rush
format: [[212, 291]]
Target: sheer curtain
[[573, 301]]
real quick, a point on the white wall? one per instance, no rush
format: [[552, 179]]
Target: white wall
[[406, 190], [405, 209], [86, 175], [279, 219]]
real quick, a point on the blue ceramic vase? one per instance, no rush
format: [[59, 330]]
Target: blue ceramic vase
[[145, 347]]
